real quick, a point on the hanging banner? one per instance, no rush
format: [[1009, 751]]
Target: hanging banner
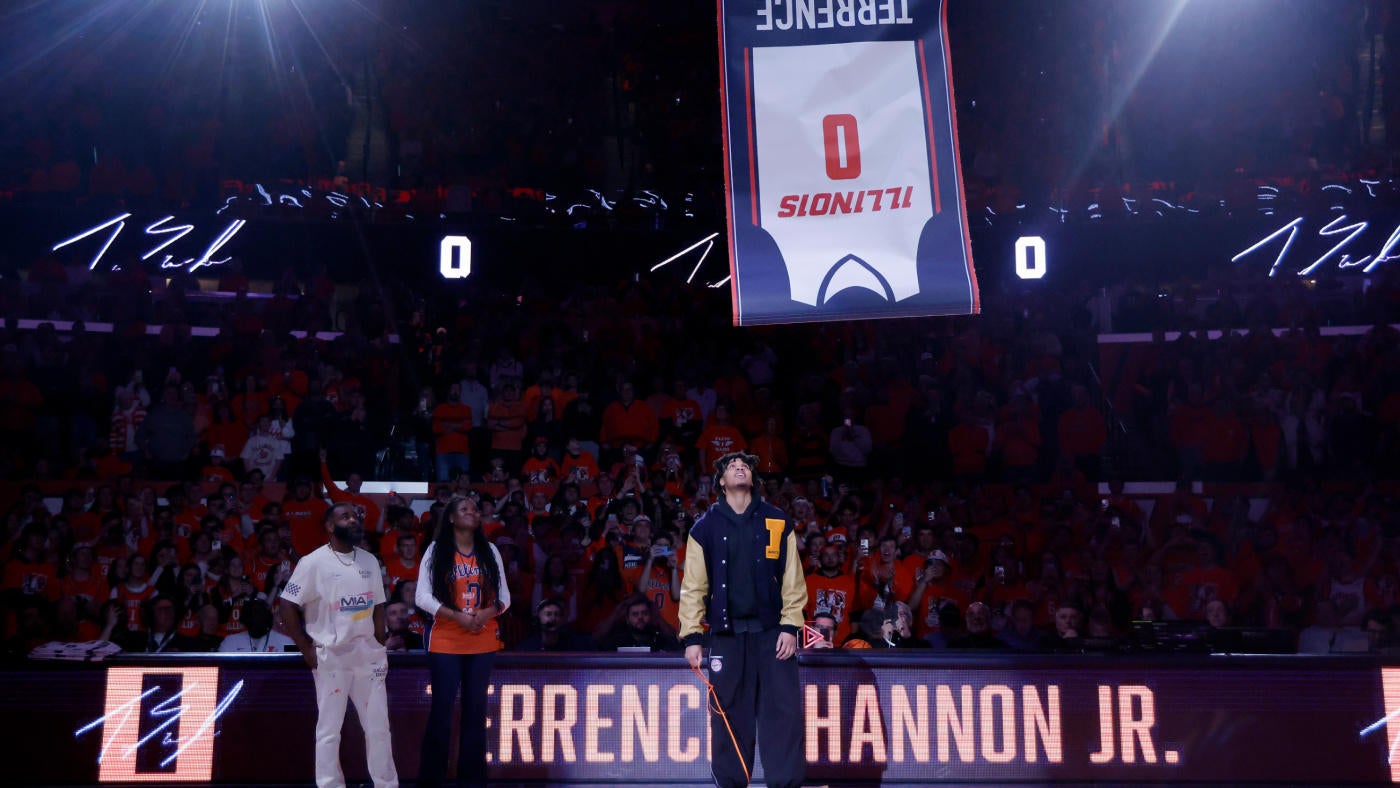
[[842, 173]]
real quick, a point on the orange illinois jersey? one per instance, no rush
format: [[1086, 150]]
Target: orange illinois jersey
[[468, 593]]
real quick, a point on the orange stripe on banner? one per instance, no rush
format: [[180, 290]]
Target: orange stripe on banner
[[748, 109], [724, 147], [928, 124], [957, 159], [1390, 683]]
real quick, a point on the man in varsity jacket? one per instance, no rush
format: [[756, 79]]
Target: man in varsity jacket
[[743, 576]]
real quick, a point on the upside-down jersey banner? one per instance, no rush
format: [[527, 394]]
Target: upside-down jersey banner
[[844, 186]]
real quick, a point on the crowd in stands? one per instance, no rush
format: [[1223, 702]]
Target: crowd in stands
[[944, 473]]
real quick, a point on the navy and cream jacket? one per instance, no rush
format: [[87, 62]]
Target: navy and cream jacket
[[781, 590]]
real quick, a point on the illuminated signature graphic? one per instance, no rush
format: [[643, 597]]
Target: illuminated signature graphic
[[118, 223], [1289, 232], [1390, 695], [195, 703]]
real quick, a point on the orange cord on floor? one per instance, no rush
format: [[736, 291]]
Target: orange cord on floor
[[716, 707]]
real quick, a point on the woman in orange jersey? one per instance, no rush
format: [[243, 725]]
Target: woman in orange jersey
[[464, 599]]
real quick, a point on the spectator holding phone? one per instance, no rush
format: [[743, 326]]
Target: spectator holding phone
[[660, 579]]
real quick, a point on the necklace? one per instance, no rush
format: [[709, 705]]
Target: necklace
[[336, 553]]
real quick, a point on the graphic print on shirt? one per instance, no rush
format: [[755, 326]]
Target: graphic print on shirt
[[832, 601], [358, 606]]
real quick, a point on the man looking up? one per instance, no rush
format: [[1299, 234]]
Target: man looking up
[[743, 574]]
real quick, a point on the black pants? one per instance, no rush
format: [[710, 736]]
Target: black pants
[[472, 672], [758, 691]]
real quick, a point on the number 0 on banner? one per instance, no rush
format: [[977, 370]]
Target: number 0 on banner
[[842, 142]]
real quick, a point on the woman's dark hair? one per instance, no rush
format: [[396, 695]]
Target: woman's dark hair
[[112, 571], [195, 602], [444, 552], [605, 576], [546, 580]]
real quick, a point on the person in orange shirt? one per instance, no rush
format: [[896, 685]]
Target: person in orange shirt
[[1082, 433], [660, 580], [719, 438], [969, 444], [505, 418], [883, 577], [305, 514], [266, 558], [364, 505], [84, 582], [629, 420], [832, 591], [452, 426], [579, 466], [543, 389], [682, 417], [216, 471], [464, 599], [402, 563], [134, 593], [770, 448], [934, 589], [28, 572], [540, 468]]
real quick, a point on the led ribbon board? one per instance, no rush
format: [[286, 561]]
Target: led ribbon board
[[884, 718]]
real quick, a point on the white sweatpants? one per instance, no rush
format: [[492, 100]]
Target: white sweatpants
[[362, 684]]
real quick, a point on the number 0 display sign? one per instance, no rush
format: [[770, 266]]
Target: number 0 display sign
[[844, 190]]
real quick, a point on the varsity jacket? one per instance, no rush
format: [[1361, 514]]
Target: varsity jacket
[[705, 584]]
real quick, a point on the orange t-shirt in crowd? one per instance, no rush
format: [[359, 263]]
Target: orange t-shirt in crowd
[[657, 588], [634, 423], [398, 570], [902, 582], [40, 579], [189, 624], [217, 474], [307, 519], [449, 637], [540, 471], [133, 601], [234, 624], [94, 589], [511, 434], [936, 596], [680, 411], [259, 566], [389, 542], [365, 505], [449, 440], [716, 441], [585, 461], [836, 595]]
